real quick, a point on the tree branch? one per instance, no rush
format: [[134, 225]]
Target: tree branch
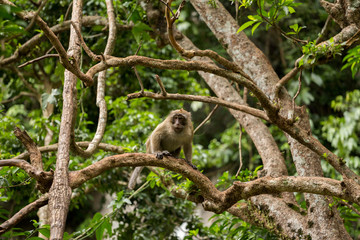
[[54, 148], [252, 111], [5, 226]]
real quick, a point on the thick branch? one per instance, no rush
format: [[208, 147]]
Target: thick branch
[[269, 185], [220, 201]]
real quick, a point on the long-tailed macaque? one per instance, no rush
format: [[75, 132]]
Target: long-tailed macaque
[[174, 133]]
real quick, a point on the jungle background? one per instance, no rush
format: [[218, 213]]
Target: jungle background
[[31, 99]]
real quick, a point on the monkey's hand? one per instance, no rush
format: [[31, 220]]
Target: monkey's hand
[[160, 155]]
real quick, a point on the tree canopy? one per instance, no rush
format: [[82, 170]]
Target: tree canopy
[[273, 87]]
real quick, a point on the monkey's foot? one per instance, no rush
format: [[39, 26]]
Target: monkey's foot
[[192, 165], [160, 155]]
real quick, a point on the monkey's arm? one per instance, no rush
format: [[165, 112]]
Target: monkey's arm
[[155, 146]]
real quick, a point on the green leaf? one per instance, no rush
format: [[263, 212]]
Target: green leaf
[[295, 27], [255, 27], [45, 232], [245, 25], [49, 98], [140, 31], [291, 10], [99, 233]]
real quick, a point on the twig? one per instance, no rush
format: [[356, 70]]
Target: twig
[[136, 72], [18, 96], [239, 107], [68, 10], [92, 55], [168, 7], [43, 2], [200, 53], [297, 93], [181, 6], [207, 118], [26, 83], [323, 30], [38, 59], [240, 152], [351, 207], [285, 80], [162, 88], [139, 79]]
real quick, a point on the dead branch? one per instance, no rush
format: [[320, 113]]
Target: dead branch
[[31, 147], [44, 179], [139, 80], [161, 85], [31, 24]]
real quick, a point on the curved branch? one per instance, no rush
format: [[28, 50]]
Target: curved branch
[[207, 99], [100, 98], [43, 179], [130, 61]]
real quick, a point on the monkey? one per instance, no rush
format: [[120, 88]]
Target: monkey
[[168, 138]]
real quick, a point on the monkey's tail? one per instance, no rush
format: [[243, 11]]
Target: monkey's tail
[[134, 176]]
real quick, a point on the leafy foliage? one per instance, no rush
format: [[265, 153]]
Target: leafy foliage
[[352, 60], [343, 131], [269, 13]]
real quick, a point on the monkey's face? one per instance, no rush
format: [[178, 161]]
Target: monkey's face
[[178, 122]]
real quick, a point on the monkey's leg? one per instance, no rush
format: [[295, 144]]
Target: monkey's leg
[[134, 176]]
